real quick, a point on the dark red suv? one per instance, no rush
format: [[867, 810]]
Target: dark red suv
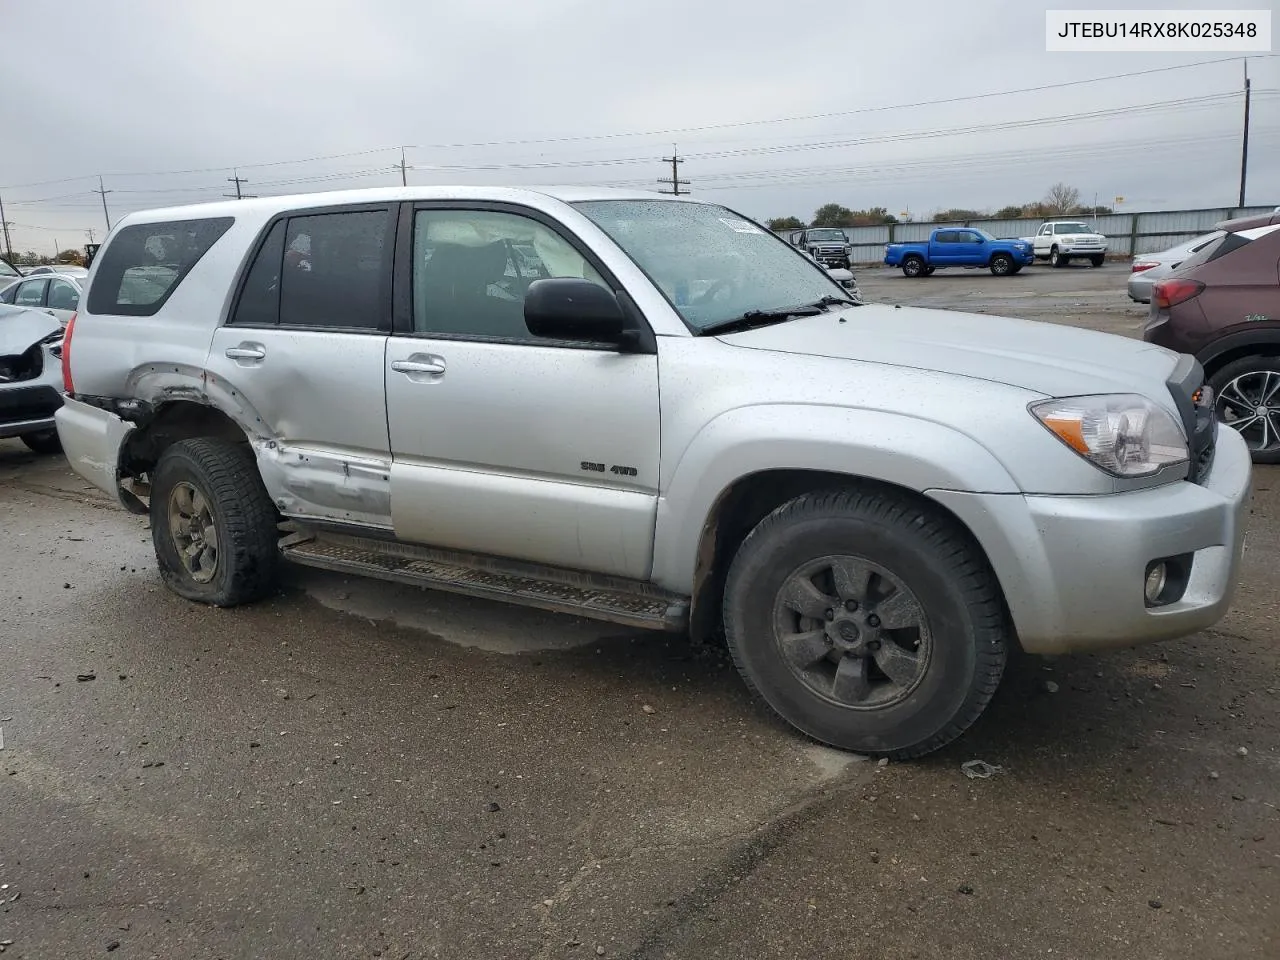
[[1223, 306]]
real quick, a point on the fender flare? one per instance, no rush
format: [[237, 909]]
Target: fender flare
[[1241, 338], [904, 450]]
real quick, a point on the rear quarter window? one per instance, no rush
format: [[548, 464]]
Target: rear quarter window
[[144, 263]]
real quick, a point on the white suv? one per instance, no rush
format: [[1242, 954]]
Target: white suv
[[653, 411]]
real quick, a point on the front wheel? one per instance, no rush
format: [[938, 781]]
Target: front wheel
[[46, 441], [212, 523], [1056, 259], [913, 267], [1247, 393], [1001, 265], [867, 620]]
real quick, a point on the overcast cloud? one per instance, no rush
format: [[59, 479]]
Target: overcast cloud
[[138, 89]]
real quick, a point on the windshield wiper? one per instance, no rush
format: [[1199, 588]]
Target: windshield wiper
[[831, 301], [762, 318]]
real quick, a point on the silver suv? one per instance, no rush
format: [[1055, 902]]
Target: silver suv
[[653, 411]]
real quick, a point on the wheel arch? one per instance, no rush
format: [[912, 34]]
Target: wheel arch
[[1263, 342], [168, 423]]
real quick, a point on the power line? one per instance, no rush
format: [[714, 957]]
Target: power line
[[673, 130]]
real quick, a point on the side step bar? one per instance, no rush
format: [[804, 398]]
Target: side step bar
[[628, 602]]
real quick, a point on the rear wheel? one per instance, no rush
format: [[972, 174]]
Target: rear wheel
[[46, 441], [1001, 265], [1247, 399], [1056, 259], [928, 271], [1098, 260], [913, 267], [867, 620], [213, 524]]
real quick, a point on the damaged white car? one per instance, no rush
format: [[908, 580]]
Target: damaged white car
[[30, 377]]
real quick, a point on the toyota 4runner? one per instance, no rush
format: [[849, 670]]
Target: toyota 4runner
[[653, 411]]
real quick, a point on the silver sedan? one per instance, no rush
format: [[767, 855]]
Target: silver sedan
[[1150, 267]]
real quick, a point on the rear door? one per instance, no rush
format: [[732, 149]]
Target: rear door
[[302, 353], [942, 251]]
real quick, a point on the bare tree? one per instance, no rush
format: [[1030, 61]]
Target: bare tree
[[1062, 199]]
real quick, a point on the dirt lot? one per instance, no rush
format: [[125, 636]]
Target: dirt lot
[[358, 769]]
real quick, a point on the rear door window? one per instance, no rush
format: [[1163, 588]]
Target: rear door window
[[62, 295], [336, 271], [144, 263]]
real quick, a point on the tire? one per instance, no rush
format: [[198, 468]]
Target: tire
[[947, 587], [1001, 265], [1056, 259], [46, 441], [220, 482], [1251, 382], [1017, 268], [1098, 260], [913, 267], [928, 271]]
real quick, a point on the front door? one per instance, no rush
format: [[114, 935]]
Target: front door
[[506, 444], [301, 358]]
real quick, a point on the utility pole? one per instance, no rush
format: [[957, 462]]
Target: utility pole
[[675, 181], [5, 223], [237, 180], [404, 168], [103, 193], [1244, 147]]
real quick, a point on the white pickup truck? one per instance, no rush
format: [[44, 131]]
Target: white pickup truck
[[653, 411], [1061, 241]]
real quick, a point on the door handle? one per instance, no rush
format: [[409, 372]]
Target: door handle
[[417, 366], [245, 353]]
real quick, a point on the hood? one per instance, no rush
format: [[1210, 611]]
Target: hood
[[1046, 358], [20, 328]]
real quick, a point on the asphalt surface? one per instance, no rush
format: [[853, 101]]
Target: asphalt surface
[[358, 769]]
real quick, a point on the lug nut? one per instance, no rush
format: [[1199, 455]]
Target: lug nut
[[873, 621], [831, 614], [851, 605]]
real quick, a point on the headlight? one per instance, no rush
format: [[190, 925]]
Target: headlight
[[1124, 434]]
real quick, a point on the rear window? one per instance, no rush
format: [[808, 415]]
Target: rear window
[[144, 263], [1215, 248]]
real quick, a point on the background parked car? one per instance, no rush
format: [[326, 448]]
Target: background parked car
[[1223, 305], [1061, 241], [1150, 267], [66, 269], [30, 377], [56, 294]]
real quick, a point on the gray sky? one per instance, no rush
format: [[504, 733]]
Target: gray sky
[[135, 88]]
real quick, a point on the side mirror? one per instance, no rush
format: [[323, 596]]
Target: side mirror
[[570, 308]]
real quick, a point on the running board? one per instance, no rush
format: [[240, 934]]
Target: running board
[[628, 602]]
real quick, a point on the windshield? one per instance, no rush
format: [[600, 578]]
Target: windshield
[[8, 271], [1073, 228], [983, 234], [711, 264], [837, 235]]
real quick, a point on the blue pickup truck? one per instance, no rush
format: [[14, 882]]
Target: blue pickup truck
[[959, 247]]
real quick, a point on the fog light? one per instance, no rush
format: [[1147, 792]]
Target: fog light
[[1157, 577]]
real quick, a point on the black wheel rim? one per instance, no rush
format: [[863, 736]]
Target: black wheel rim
[[1001, 265], [913, 267], [852, 632], [193, 532], [1250, 405]]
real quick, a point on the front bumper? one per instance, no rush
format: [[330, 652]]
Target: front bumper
[[28, 406], [1073, 568]]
